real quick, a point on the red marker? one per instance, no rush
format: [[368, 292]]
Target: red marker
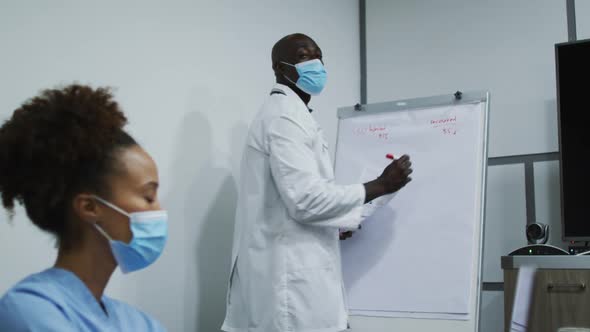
[[389, 156]]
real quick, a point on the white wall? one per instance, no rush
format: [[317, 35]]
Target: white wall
[[583, 19], [419, 48], [428, 47], [190, 75]]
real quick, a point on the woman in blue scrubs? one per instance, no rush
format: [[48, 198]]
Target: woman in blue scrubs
[[65, 157]]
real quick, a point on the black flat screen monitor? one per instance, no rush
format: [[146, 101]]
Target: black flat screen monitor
[[572, 61]]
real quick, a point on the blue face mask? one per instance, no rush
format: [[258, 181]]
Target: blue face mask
[[312, 76], [150, 231]]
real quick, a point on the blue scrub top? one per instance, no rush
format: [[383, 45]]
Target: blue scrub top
[[57, 300]]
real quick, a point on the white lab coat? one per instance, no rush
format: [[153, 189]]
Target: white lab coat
[[286, 273]]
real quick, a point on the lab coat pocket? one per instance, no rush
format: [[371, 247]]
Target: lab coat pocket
[[314, 298]]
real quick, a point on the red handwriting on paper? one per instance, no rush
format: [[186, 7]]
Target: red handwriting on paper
[[377, 131], [373, 129], [448, 126], [444, 121]]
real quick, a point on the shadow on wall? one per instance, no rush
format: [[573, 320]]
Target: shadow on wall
[[173, 289], [208, 209]]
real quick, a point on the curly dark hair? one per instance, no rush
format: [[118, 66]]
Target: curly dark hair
[[56, 145]]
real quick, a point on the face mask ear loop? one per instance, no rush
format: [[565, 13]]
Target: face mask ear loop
[[285, 76], [290, 64], [288, 79], [101, 231], [112, 206]]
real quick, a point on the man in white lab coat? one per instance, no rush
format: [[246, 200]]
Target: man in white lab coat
[[285, 271]]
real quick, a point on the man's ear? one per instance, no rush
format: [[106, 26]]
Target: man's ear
[[86, 208], [277, 67]]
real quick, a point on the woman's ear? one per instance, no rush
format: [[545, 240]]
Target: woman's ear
[[86, 208]]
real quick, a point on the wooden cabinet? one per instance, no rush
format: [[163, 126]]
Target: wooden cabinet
[[560, 293]]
